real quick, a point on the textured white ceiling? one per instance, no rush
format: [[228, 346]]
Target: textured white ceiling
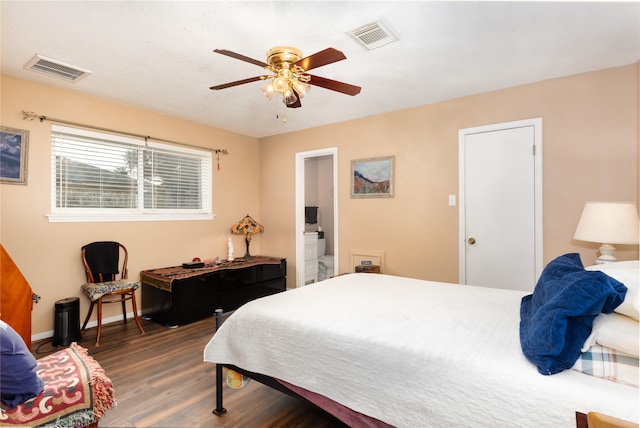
[[159, 55]]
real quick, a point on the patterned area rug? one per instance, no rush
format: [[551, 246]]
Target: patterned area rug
[[76, 392]]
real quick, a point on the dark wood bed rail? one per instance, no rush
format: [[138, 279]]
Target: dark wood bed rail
[[581, 420]]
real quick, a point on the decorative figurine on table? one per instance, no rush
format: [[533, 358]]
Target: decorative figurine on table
[[230, 253]]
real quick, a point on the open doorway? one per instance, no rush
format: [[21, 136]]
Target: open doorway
[[316, 215]]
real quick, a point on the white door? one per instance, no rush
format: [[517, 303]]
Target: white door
[[500, 205]]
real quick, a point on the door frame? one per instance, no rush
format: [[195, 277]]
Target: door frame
[[537, 136], [300, 204]]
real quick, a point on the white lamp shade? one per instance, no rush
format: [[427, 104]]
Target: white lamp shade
[[608, 222]]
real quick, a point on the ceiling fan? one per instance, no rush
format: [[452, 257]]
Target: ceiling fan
[[290, 78]]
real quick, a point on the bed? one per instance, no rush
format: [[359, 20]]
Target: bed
[[405, 352]]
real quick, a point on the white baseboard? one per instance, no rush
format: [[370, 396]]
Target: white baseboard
[[116, 318]]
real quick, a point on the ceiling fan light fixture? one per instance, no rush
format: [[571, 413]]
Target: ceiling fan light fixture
[[281, 84], [268, 90], [289, 97], [301, 88]]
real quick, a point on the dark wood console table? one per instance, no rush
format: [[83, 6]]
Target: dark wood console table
[[176, 295]]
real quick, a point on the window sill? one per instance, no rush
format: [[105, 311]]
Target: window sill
[[97, 218]]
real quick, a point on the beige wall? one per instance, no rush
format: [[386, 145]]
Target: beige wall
[[48, 254], [590, 145], [590, 152]]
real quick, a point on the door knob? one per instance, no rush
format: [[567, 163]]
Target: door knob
[[471, 241]]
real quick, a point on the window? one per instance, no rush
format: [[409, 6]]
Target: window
[[105, 177]]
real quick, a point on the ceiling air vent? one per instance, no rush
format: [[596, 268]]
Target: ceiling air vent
[[55, 68], [373, 35]]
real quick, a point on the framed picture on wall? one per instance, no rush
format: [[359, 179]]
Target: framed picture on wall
[[372, 178], [13, 155]]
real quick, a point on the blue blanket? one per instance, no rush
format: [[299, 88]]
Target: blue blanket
[[557, 318]]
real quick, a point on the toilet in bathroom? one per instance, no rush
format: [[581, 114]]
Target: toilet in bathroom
[[325, 262]]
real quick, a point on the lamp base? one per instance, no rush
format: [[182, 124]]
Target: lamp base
[[247, 256], [606, 254]]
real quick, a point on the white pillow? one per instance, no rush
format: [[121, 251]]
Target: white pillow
[[628, 273], [615, 331]]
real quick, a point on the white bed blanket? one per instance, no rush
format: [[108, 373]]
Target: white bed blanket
[[411, 353]]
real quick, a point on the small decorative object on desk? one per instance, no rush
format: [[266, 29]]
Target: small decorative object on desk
[[193, 265], [230, 248]]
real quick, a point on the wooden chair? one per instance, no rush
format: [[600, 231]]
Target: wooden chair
[[101, 263]]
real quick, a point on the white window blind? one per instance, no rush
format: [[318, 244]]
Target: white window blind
[[100, 176]]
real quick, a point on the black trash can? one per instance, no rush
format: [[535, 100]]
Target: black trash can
[[66, 322]]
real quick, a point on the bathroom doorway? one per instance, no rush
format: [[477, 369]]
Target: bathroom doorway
[[316, 215]]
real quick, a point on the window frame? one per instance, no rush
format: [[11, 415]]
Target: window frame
[[78, 215]]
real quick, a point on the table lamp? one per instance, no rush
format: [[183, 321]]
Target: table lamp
[[608, 223], [247, 226]]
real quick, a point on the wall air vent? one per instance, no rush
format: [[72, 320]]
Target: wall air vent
[[54, 68], [373, 35]]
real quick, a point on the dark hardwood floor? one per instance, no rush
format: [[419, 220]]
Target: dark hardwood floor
[[161, 380]]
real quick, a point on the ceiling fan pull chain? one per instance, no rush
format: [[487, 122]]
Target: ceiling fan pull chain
[[284, 110]]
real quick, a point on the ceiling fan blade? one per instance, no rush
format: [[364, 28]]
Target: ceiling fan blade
[[318, 59], [239, 82], [241, 57], [334, 85]]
